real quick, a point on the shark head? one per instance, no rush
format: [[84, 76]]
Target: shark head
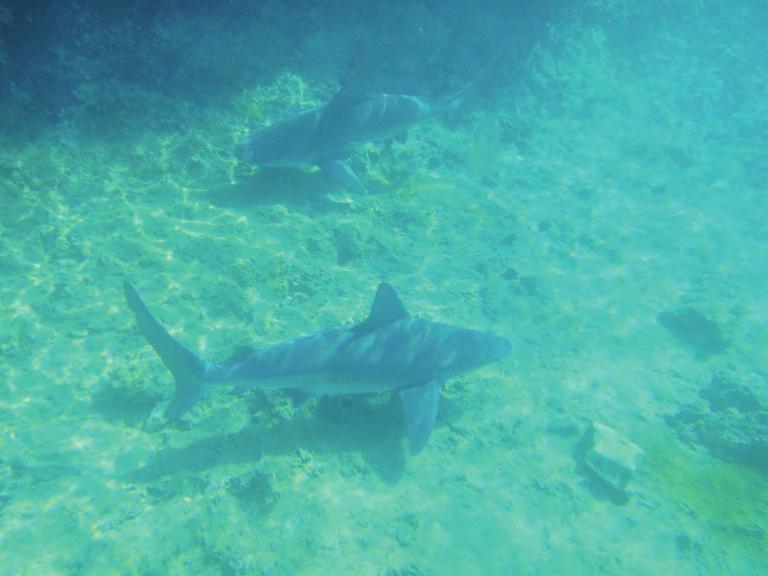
[[472, 349]]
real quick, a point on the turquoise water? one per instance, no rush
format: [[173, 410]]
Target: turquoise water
[[600, 201]]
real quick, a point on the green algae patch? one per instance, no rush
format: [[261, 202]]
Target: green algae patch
[[730, 499]]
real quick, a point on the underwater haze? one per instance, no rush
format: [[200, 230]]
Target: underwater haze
[[599, 197]]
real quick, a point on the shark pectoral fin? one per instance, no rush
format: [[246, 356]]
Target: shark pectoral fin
[[342, 174], [420, 405]]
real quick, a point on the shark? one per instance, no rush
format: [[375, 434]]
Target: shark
[[323, 136], [389, 351]]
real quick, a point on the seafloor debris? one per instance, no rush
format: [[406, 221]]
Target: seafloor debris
[[609, 456], [733, 422]]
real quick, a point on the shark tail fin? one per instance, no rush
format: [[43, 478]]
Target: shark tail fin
[[453, 101], [188, 368]]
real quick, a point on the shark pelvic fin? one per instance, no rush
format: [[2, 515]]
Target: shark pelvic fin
[[188, 368], [420, 406]]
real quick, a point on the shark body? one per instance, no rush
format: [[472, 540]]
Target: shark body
[[388, 351], [323, 136]]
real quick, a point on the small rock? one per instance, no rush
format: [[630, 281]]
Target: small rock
[[611, 457]]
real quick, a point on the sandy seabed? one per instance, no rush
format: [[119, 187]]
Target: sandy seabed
[[632, 194]]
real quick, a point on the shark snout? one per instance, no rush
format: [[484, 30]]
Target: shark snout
[[481, 348]]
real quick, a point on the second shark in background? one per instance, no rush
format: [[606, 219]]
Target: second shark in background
[[323, 136]]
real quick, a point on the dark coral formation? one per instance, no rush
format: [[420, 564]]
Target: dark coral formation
[[695, 330], [733, 425]]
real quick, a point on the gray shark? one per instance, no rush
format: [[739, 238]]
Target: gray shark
[[324, 136], [388, 351]]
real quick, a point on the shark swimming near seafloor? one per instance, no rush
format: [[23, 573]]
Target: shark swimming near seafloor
[[324, 136], [388, 351]]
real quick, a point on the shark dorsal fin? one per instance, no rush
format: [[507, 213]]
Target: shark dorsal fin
[[386, 308], [343, 100], [336, 112]]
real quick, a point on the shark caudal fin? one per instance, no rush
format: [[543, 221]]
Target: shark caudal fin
[[188, 368], [453, 101]]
